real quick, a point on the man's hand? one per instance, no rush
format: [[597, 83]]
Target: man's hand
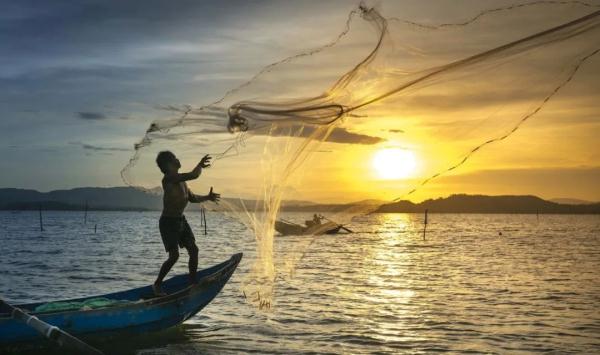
[[205, 162], [192, 175], [214, 197]]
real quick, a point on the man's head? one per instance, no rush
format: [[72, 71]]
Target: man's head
[[167, 162]]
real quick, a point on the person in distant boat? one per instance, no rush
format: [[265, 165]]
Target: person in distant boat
[[174, 228], [316, 219]]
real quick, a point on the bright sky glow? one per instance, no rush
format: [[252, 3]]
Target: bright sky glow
[[394, 163]]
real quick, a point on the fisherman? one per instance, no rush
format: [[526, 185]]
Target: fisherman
[[316, 219], [174, 228]]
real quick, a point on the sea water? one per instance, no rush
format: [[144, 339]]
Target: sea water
[[475, 283]]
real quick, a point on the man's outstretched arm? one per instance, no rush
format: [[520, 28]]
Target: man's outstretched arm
[[192, 175], [197, 199]]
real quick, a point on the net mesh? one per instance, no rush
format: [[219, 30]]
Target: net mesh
[[442, 92]]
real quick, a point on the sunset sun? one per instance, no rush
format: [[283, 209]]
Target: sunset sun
[[394, 163]]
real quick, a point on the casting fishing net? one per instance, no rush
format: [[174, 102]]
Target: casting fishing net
[[304, 127]]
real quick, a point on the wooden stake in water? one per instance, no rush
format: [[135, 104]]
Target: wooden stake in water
[[41, 222], [203, 211], [95, 225], [425, 224], [85, 214]]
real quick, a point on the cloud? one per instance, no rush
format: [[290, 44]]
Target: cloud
[[110, 149], [88, 115], [98, 116], [338, 135], [91, 147], [342, 135]]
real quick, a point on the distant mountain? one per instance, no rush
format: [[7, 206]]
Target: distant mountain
[[128, 198], [489, 204], [571, 201], [99, 198]]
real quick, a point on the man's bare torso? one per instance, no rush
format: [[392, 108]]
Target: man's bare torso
[[175, 198]]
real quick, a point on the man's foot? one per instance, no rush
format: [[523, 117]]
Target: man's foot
[[158, 290]]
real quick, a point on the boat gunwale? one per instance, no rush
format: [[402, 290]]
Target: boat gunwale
[[312, 230], [231, 263]]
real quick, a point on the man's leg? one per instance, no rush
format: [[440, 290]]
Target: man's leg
[[193, 262], [166, 267], [189, 242]]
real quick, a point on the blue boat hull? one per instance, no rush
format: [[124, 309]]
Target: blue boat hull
[[139, 316]]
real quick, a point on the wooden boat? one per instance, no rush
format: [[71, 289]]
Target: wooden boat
[[143, 313], [288, 228]]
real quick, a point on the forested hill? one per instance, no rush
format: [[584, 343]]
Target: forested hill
[[108, 198], [489, 204]]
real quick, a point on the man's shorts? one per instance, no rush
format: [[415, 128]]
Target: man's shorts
[[175, 231]]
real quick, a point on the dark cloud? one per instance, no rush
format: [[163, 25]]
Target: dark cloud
[[97, 116], [88, 115], [342, 135], [95, 148], [109, 149], [338, 135], [172, 108]]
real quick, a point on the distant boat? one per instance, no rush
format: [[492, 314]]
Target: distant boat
[[137, 312], [290, 228]]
